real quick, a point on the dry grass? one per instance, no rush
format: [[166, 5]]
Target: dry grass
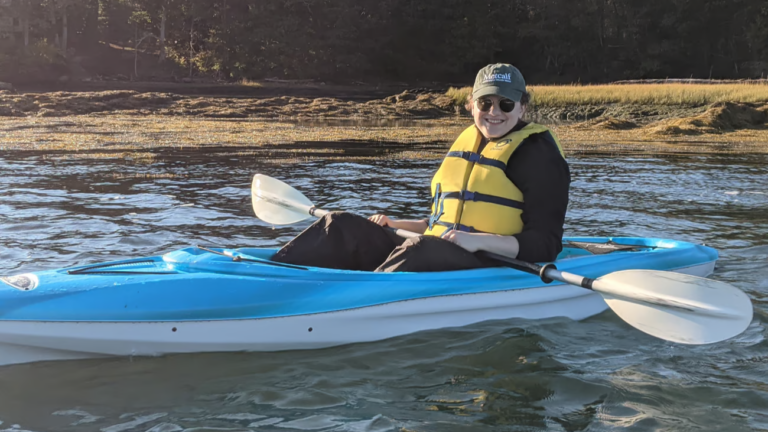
[[146, 176], [137, 157], [650, 94], [647, 141], [250, 83], [688, 95], [459, 96], [721, 117]]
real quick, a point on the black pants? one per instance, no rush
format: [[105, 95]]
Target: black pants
[[346, 241]]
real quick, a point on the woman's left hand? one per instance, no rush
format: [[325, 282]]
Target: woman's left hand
[[468, 241]]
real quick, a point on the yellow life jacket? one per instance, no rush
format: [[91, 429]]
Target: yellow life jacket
[[471, 191]]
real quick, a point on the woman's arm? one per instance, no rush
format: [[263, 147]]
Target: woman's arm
[[473, 242], [544, 178]]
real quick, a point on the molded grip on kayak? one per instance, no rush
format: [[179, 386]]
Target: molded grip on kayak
[[245, 258]]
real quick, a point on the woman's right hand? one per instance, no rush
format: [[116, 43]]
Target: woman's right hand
[[381, 220]]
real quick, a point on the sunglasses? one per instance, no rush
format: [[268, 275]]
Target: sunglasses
[[485, 105]]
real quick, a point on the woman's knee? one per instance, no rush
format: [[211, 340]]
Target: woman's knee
[[337, 218], [429, 253], [346, 223]]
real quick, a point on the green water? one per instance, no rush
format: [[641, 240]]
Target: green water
[[560, 375]]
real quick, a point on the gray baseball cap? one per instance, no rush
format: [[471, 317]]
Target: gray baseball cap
[[499, 79]]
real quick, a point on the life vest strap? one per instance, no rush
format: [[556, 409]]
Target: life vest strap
[[478, 158], [439, 207], [481, 197], [459, 227]]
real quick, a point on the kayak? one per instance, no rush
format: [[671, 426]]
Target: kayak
[[200, 299]]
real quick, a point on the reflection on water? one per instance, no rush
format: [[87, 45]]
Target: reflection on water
[[598, 374]]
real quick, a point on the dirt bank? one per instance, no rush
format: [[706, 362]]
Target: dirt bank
[[262, 89], [408, 104], [414, 103]]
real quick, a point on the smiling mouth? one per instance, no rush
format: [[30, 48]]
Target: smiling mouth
[[494, 121]]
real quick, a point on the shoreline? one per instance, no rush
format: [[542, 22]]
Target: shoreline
[[130, 121]]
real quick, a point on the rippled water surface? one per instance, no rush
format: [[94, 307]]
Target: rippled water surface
[[599, 374]]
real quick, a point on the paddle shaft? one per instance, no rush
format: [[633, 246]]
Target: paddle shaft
[[318, 213], [547, 272]]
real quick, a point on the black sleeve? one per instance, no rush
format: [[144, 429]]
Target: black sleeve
[[543, 176]]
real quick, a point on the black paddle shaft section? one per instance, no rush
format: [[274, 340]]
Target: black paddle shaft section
[[508, 262], [522, 265]]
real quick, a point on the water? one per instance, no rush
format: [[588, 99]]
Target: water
[[599, 374]]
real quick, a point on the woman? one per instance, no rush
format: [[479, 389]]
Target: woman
[[502, 187]]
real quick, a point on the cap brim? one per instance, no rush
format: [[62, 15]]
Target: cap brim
[[508, 93]]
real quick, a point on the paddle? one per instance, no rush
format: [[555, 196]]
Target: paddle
[[671, 306]]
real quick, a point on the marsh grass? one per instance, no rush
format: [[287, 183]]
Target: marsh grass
[[250, 83], [684, 95], [146, 176], [459, 96]]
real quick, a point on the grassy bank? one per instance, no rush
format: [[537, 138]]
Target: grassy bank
[[135, 138], [676, 95], [629, 118], [651, 111]]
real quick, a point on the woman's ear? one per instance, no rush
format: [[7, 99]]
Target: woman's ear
[[468, 105]]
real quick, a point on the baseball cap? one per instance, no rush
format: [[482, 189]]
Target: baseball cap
[[499, 79]]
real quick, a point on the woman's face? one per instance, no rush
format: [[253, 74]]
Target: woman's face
[[494, 122]]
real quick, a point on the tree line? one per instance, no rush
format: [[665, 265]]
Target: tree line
[[394, 40]]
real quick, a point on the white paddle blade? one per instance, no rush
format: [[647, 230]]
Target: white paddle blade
[[277, 203], [677, 307]]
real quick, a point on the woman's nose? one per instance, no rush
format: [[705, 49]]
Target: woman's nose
[[494, 109]]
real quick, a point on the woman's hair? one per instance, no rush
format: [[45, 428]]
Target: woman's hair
[[525, 99]]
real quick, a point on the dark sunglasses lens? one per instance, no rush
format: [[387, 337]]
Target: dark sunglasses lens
[[484, 105], [507, 105]]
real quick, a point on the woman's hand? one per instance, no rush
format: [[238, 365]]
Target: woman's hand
[[416, 226], [380, 219]]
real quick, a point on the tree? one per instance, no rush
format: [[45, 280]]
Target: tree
[[415, 40]]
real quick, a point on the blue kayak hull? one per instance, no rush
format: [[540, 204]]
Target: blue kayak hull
[[198, 299]]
